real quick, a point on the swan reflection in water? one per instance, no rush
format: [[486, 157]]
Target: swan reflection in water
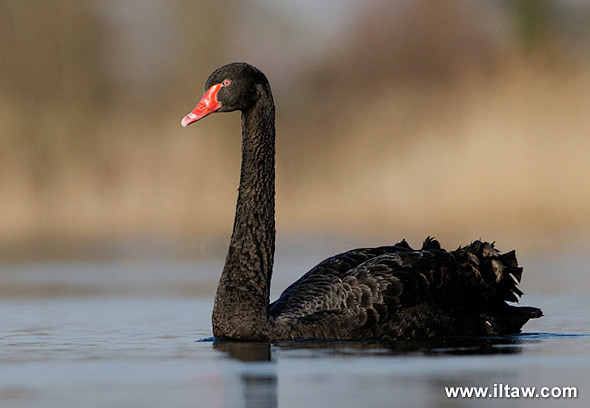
[[260, 386], [258, 374]]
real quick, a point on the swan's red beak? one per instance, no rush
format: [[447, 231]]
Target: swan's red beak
[[206, 106]]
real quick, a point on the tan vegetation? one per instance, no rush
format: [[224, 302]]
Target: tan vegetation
[[462, 135]]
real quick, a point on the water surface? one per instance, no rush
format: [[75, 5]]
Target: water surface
[[137, 334]]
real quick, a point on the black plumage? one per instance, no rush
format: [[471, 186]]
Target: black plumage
[[384, 293], [396, 292]]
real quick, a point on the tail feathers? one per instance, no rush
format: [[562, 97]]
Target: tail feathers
[[494, 275], [512, 319], [531, 312]]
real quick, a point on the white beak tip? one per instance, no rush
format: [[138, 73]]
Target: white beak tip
[[188, 119]]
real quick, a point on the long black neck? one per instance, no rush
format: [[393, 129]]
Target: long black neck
[[242, 299]]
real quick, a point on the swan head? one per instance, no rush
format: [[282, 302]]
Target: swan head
[[236, 86]]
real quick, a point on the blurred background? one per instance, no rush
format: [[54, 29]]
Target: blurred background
[[459, 119]]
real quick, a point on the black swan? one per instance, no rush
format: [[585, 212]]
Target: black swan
[[385, 293]]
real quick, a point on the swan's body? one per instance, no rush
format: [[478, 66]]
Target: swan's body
[[385, 293]]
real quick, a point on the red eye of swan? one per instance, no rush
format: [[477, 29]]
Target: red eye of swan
[[226, 82]]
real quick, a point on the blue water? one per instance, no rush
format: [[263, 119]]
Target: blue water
[[137, 334]]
